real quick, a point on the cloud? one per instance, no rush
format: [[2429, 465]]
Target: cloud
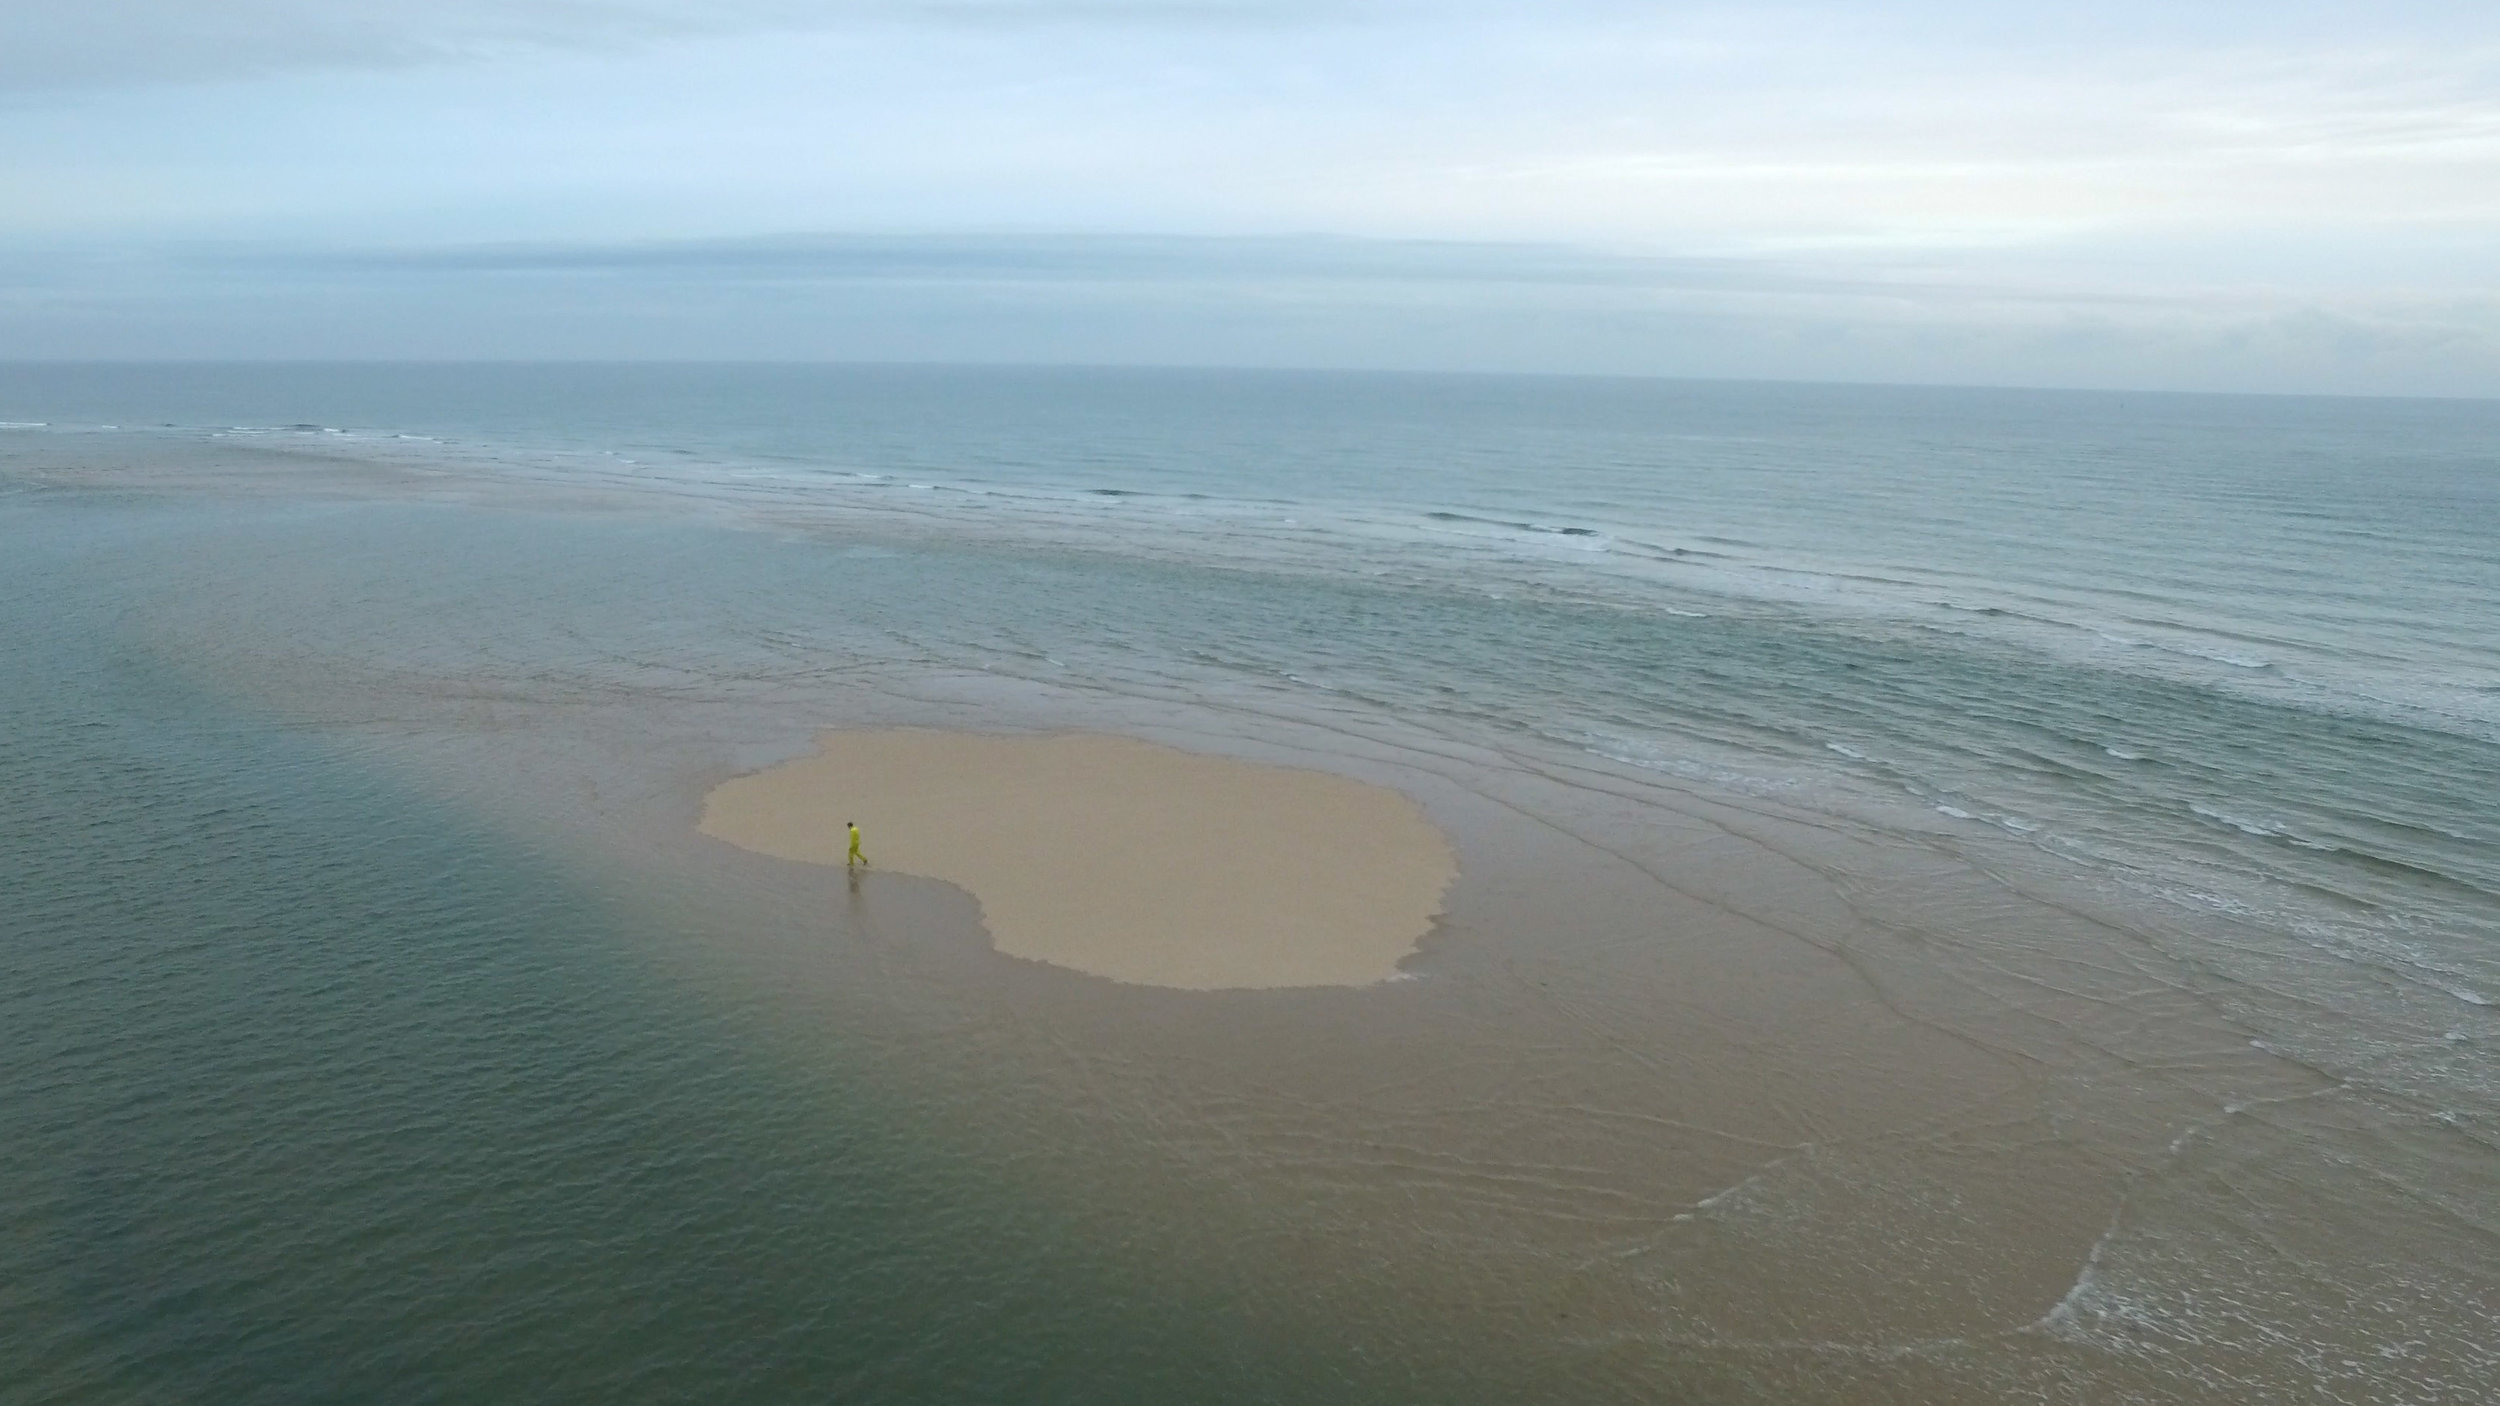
[[1022, 258], [1307, 268], [1901, 189], [1128, 299], [84, 43], [51, 45]]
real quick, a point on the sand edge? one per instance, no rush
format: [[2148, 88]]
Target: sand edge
[[1117, 857]]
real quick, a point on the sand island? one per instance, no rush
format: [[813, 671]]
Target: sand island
[[1117, 857]]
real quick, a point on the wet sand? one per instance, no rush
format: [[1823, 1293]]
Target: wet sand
[[1116, 857]]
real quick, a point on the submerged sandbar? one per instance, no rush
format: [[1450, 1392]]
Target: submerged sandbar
[[1117, 857]]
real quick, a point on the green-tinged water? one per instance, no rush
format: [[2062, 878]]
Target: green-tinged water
[[316, 1092]]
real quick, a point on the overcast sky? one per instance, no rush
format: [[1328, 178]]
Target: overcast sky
[[2225, 194]]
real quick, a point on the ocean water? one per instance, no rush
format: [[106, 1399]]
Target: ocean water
[[323, 1085]]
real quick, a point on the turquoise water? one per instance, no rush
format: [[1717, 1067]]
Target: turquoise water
[[321, 1087]]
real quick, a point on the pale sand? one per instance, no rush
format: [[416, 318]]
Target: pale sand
[[1117, 857]]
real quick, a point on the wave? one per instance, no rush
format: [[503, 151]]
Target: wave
[[2245, 827], [1617, 562], [1514, 525]]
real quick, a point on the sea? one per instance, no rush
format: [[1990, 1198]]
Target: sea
[[364, 1036]]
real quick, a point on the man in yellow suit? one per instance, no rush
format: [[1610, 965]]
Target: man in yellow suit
[[856, 857]]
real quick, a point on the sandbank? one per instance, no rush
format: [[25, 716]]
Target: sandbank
[[1117, 857]]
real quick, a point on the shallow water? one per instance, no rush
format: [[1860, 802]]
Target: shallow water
[[1966, 895]]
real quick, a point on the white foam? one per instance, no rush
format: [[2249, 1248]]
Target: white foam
[[1711, 1202], [2062, 1314], [2245, 827]]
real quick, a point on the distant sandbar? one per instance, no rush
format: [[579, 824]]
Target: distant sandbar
[[1118, 857]]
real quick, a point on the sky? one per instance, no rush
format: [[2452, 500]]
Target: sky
[[2221, 195]]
